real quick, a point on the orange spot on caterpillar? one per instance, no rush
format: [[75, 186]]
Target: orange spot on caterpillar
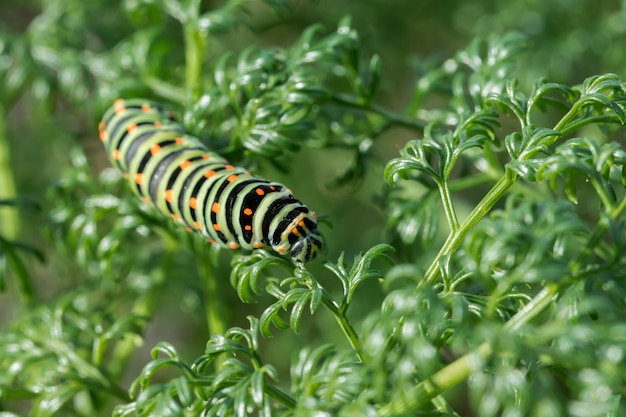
[[101, 129], [119, 106], [215, 207], [260, 191], [247, 211], [193, 202], [185, 164], [168, 196], [138, 178], [155, 149], [116, 154]]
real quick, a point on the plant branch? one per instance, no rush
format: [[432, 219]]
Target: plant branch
[[214, 306], [344, 324], [448, 206], [9, 217], [195, 44], [391, 117], [165, 89], [459, 370], [455, 239], [279, 395]]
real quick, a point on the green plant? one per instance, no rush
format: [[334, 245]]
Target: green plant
[[503, 278]]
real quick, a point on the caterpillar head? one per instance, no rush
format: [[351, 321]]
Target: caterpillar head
[[307, 248]]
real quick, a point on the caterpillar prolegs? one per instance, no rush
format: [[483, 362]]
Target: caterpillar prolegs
[[177, 174]]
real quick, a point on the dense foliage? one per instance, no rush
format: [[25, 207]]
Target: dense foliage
[[483, 277]]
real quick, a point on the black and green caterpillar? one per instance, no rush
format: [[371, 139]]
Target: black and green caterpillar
[[177, 174]]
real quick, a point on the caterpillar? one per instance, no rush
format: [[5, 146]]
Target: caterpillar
[[176, 173]]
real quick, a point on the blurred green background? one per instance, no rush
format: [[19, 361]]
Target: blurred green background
[[568, 41]]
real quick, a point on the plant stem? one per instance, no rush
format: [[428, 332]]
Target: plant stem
[[448, 206], [344, 324], [592, 120], [195, 43], [456, 238], [279, 395], [214, 306], [459, 370], [9, 218], [542, 300], [194, 48], [165, 89], [442, 381], [391, 116]]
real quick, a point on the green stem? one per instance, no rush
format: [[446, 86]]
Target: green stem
[[456, 238], [459, 370], [165, 89], [448, 206], [344, 324], [280, 396], [214, 305], [579, 124], [9, 218], [604, 192], [442, 381], [618, 210], [194, 54], [531, 310], [566, 125], [391, 116]]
